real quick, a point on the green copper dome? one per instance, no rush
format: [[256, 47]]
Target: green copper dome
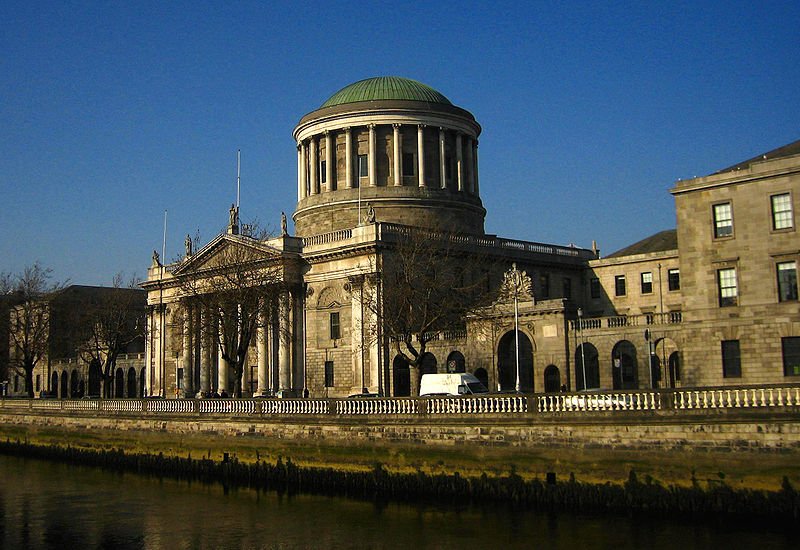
[[386, 87]]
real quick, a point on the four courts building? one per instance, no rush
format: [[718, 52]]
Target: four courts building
[[711, 303]]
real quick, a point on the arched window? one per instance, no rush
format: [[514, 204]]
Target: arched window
[[119, 383], [73, 384], [456, 362], [587, 364], [401, 377], [625, 370], [131, 389], [552, 379]]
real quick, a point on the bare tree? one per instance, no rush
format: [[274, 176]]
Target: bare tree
[[429, 281], [237, 289], [30, 319], [111, 320]]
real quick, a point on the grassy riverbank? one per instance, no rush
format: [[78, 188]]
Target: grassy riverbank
[[752, 471]]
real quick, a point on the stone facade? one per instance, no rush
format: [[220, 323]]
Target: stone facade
[[375, 163], [738, 248]]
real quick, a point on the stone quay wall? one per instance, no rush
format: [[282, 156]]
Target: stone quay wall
[[718, 430]]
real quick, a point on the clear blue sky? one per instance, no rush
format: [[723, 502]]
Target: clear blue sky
[[112, 112]]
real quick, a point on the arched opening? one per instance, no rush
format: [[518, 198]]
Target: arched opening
[[64, 385], [507, 363], [482, 375], [456, 362], [131, 390], [401, 377], [552, 379], [54, 385], [73, 384], [664, 363], [141, 383], [674, 370], [94, 378], [624, 366], [427, 365], [119, 383], [587, 364]]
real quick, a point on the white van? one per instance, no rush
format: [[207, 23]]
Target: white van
[[450, 384]]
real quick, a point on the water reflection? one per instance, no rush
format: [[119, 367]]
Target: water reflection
[[50, 505]]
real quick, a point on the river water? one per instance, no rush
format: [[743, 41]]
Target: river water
[[54, 505]]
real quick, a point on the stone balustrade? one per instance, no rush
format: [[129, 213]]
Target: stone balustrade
[[763, 398], [618, 321]]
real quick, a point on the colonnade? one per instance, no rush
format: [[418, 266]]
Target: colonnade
[[187, 336], [457, 155]]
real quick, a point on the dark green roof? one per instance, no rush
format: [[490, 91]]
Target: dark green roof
[[660, 242], [386, 87]]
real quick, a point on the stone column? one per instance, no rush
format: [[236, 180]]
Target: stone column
[[284, 335], [149, 350], [398, 154], [373, 176], [442, 167], [329, 162], [459, 162], [470, 167], [188, 371], [358, 332], [158, 363], [421, 154], [301, 186], [304, 168], [222, 370], [205, 353], [476, 187], [348, 160], [313, 166], [261, 346]]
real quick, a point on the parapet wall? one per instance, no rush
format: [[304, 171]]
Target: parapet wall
[[723, 431]]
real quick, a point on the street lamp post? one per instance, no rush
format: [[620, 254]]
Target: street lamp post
[[516, 282], [583, 358]]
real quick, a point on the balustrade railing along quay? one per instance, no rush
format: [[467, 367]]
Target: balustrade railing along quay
[[680, 401]]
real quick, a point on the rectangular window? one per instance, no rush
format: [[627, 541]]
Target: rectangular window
[[728, 292], [322, 172], [363, 166], [334, 323], [619, 285], [328, 374], [567, 287], [782, 215], [723, 220], [647, 282], [408, 164], [38, 382], [731, 359], [674, 279], [787, 281], [594, 287], [179, 379], [544, 285], [791, 355]]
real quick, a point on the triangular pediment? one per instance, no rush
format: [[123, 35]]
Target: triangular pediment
[[225, 250]]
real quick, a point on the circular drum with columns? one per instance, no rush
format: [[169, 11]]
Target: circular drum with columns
[[394, 144]]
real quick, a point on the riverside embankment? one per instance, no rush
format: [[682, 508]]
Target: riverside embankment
[[746, 440]]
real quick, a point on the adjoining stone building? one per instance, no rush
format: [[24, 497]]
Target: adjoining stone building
[[57, 330], [386, 156]]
